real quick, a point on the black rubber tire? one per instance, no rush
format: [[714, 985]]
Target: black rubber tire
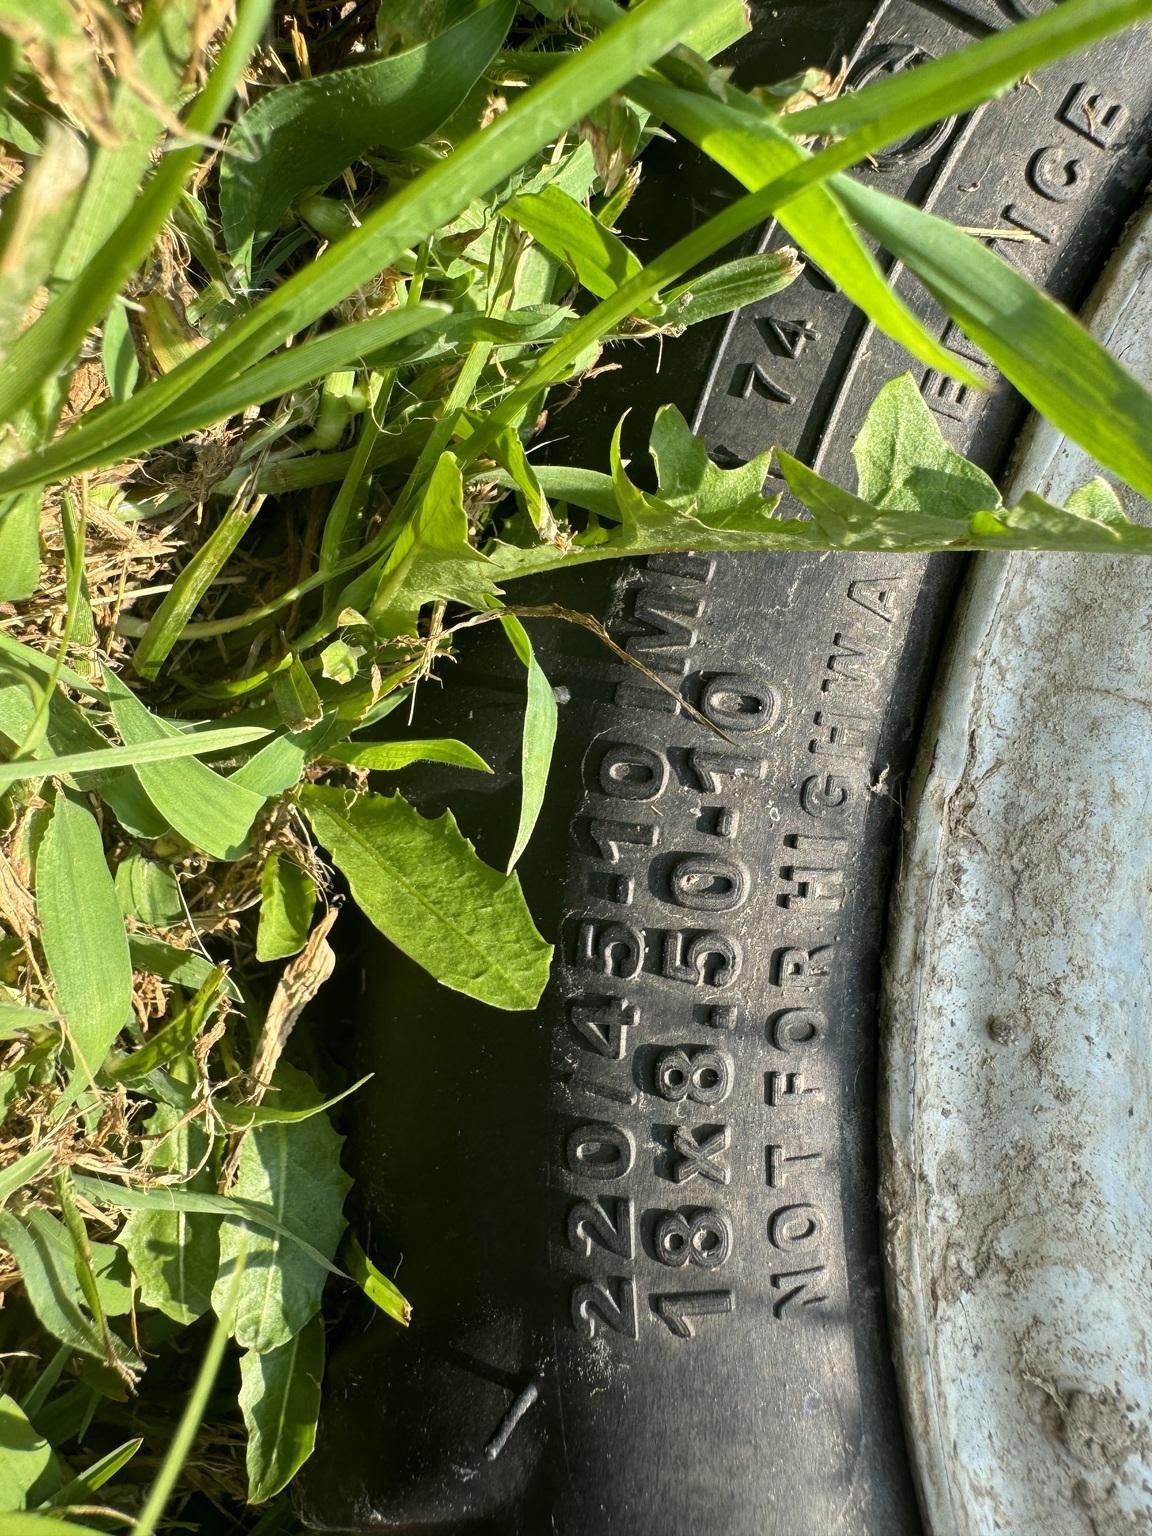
[[647, 1284]]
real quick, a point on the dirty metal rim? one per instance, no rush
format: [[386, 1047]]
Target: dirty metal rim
[[1016, 1154]]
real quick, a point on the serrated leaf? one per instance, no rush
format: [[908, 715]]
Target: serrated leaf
[[287, 902], [280, 1401], [903, 463], [174, 1254], [423, 886], [29, 1471], [689, 481], [391, 756], [301, 136], [1034, 341], [538, 737], [208, 810], [294, 1171], [82, 931]]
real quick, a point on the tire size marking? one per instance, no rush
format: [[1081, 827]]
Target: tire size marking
[[673, 1079]]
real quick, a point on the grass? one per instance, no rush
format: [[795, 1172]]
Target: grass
[[279, 323]]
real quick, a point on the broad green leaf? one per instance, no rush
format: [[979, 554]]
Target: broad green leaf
[[599, 259], [423, 886], [1037, 345], [375, 1284], [539, 736], [755, 151], [850, 522], [431, 558], [80, 1490], [340, 661], [207, 809], [904, 464], [29, 1471], [174, 1254], [287, 902], [293, 1171], [391, 756], [82, 931], [261, 1218], [301, 136], [280, 1401], [149, 891], [423, 206], [44, 1253]]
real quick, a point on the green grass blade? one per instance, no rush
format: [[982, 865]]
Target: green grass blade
[[539, 737], [199, 744], [48, 345], [80, 1489], [194, 1411], [279, 375], [24, 1169], [423, 206], [901, 103], [750, 147], [178, 605], [1037, 345]]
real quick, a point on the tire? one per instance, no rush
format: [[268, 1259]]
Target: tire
[[640, 1227]]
